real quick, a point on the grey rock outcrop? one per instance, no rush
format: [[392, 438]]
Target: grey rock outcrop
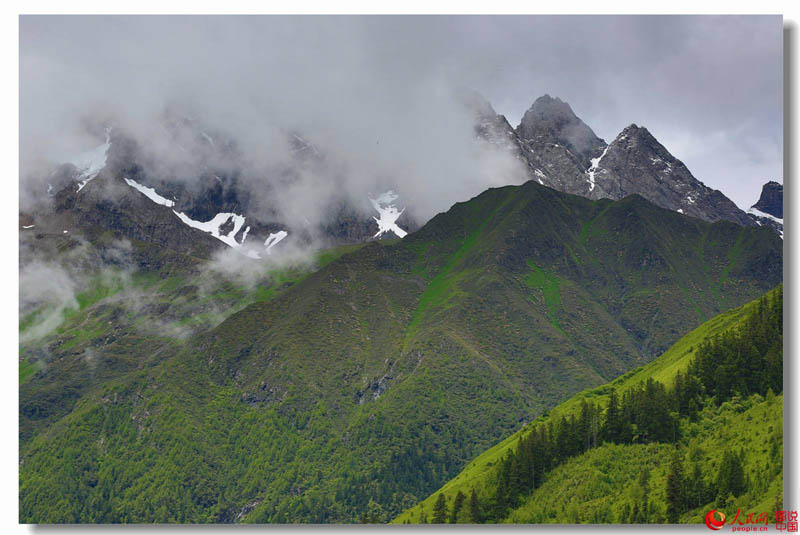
[[768, 211], [771, 200]]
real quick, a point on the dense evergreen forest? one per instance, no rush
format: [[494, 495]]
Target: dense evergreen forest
[[737, 363]]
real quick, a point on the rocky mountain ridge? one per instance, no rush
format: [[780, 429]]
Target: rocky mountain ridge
[[562, 152], [557, 149]]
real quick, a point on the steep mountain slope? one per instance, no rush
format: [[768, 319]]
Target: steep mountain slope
[[377, 377], [552, 121], [604, 483], [107, 207], [546, 159], [562, 152], [636, 163]]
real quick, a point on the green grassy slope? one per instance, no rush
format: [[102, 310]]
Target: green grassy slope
[[598, 485], [376, 378]]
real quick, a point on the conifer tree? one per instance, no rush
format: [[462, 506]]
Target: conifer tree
[[731, 478], [696, 486], [636, 517], [440, 510], [457, 504], [675, 498], [644, 484], [474, 508]]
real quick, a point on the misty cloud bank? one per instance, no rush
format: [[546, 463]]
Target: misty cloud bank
[[51, 289], [377, 93], [382, 113]]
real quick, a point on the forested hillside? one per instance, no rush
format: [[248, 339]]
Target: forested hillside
[[663, 444]]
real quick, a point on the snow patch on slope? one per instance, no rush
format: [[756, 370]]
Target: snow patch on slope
[[657, 160], [273, 240], [593, 168], [388, 213], [758, 213], [150, 193], [213, 227], [90, 163]]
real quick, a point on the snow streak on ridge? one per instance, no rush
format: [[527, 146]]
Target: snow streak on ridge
[[593, 168], [150, 193]]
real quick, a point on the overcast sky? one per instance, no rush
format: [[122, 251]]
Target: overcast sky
[[708, 88]]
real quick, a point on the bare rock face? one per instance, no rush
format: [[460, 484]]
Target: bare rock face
[[768, 211], [771, 200], [545, 156], [552, 121], [635, 162]]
